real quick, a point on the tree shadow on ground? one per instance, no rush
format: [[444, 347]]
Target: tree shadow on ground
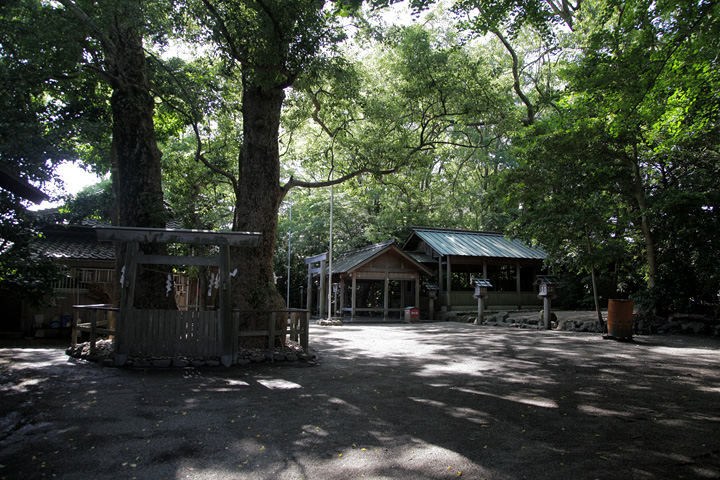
[[428, 401]]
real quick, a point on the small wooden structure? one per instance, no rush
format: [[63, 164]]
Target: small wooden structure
[[151, 332], [509, 264], [372, 269]]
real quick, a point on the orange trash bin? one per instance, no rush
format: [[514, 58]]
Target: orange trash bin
[[620, 318]]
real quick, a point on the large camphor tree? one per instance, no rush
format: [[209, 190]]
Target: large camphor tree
[[114, 52], [275, 45]]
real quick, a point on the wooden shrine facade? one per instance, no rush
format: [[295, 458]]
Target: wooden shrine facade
[[457, 256], [378, 281], [150, 332]]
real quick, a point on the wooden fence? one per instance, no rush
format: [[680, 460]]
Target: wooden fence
[[297, 326], [464, 300], [174, 333], [98, 324], [170, 333]]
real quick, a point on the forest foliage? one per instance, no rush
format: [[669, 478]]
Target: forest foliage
[[589, 129]]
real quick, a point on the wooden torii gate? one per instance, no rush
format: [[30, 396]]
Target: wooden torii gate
[[172, 333], [322, 270]]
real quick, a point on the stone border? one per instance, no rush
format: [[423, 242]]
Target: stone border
[[104, 355], [586, 322]]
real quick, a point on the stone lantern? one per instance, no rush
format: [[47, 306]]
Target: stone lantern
[[546, 290], [432, 291], [481, 292]]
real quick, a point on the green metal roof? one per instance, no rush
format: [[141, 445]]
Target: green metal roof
[[476, 244]]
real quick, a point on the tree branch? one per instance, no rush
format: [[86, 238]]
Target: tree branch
[[516, 78], [237, 52], [78, 13], [293, 182], [316, 111], [199, 155]]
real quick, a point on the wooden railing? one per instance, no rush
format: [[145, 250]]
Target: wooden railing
[[95, 326], [465, 300], [298, 322], [182, 331]]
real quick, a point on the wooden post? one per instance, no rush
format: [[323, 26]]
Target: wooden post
[[93, 331], [271, 337], [235, 335], [449, 284], [127, 298], [304, 336], [309, 289], [323, 291], [440, 280], [342, 295], [481, 312], [417, 290], [546, 311], [74, 330], [354, 296], [386, 294], [518, 286], [224, 316]]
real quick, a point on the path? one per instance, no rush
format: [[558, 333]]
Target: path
[[421, 401]]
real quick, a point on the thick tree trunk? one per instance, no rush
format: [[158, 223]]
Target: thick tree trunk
[[639, 194], [258, 199], [140, 196]]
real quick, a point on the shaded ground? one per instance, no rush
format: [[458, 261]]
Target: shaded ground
[[420, 401]]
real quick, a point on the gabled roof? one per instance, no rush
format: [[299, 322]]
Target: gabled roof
[[467, 243], [19, 186], [349, 261]]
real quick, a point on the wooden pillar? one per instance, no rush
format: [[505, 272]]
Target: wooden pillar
[[342, 295], [402, 293], [417, 290], [309, 289], [440, 279], [519, 286], [481, 311], [228, 338], [547, 315], [386, 294], [127, 298], [485, 268], [449, 284], [353, 301], [323, 292]]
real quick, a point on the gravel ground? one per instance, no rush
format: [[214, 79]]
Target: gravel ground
[[419, 401]]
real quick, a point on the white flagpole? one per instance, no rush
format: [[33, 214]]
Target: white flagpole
[[288, 268], [330, 292]]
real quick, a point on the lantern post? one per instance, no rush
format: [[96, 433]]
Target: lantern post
[[481, 292], [546, 290]]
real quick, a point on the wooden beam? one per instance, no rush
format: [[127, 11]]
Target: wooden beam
[[179, 260], [316, 258], [191, 237]]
